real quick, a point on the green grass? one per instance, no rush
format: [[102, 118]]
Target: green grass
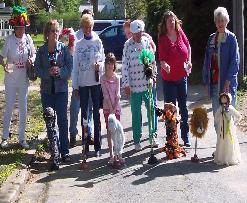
[[10, 159], [38, 40]]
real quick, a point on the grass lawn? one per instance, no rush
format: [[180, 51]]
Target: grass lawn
[[10, 159]]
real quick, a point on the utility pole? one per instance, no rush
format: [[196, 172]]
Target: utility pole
[[238, 29]]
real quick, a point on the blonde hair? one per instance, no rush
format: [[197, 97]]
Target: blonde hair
[[86, 19], [221, 12], [162, 26], [47, 28]]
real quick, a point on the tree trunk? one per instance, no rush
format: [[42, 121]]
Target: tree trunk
[[95, 6]]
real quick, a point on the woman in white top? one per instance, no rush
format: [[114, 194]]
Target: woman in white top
[[17, 51]]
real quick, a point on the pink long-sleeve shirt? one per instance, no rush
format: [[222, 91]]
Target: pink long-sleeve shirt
[[174, 54], [111, 94]]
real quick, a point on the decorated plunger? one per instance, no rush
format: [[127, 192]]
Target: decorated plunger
[[199, 125], [146, 58]]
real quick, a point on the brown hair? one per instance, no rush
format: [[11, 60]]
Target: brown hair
[[162, 26], [47, 28], [110, 58], [87, 11]]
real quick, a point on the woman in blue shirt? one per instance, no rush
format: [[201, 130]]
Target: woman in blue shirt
[[221, 63], [54, 65]]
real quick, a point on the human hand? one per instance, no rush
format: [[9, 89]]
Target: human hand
[[165, 66], [54, 71], [29, 63], [8, 68], [76, 93], [227, 86], [96, 66], [127, 91]]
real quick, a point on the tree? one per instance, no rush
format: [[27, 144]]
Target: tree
[[155, 10], [135, 8]]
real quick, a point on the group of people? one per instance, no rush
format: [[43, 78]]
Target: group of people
[[93, 74]]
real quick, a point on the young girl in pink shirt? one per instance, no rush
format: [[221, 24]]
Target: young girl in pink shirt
[[110, 84]]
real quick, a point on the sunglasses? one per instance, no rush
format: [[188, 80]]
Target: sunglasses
[[54, 31]]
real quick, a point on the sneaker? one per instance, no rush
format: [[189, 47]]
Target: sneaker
[[5, 144], [66, 158], [111, 161], [24, 144], [187, 144], [72, 142], [138, 147], [97, 154]]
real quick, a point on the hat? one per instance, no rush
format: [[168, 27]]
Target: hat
[[137, 26], [227, 95], [19, 17]]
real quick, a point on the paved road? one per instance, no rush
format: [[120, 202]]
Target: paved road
[[170, 181]]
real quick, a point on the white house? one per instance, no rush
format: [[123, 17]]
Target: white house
[[5, 28], [107, 6]]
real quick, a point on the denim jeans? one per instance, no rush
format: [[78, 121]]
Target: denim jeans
[[74, 111], [95, 95], [59, 102], [177, 91]]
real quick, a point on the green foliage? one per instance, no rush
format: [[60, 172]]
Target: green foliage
[[35, 122], [9, 161], [135, 9], [70, 19], [155, 10]]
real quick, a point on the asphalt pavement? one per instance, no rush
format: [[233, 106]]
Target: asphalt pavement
[[178, 180]]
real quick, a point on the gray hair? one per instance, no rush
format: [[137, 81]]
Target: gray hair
[[221, 12]]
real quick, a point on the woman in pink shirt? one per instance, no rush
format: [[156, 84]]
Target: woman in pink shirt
[[110, 84], [175, 59]]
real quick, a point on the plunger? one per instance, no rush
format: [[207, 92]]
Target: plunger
[[152, 159], [83, 165], [195, 158]]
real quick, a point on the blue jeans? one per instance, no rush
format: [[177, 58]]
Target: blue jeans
[[95, 95], [59, 102], [177, 91], [74, 111]]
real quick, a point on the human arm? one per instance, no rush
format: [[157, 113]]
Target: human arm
[[106, 95], [64, 71], [118, 95], [40, 65], [163, 53], [125, 70], [234, 60]]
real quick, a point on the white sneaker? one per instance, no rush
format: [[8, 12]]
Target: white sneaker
[[5, 144], [138, 147], [24, 144]]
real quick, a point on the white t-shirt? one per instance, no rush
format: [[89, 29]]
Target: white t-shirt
[[16, 51]]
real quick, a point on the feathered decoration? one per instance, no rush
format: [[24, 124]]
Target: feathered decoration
[[67, 36], [199, 122], [146, 58], [19, 17]]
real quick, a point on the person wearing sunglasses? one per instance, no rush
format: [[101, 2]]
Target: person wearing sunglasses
[[54, 65]]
